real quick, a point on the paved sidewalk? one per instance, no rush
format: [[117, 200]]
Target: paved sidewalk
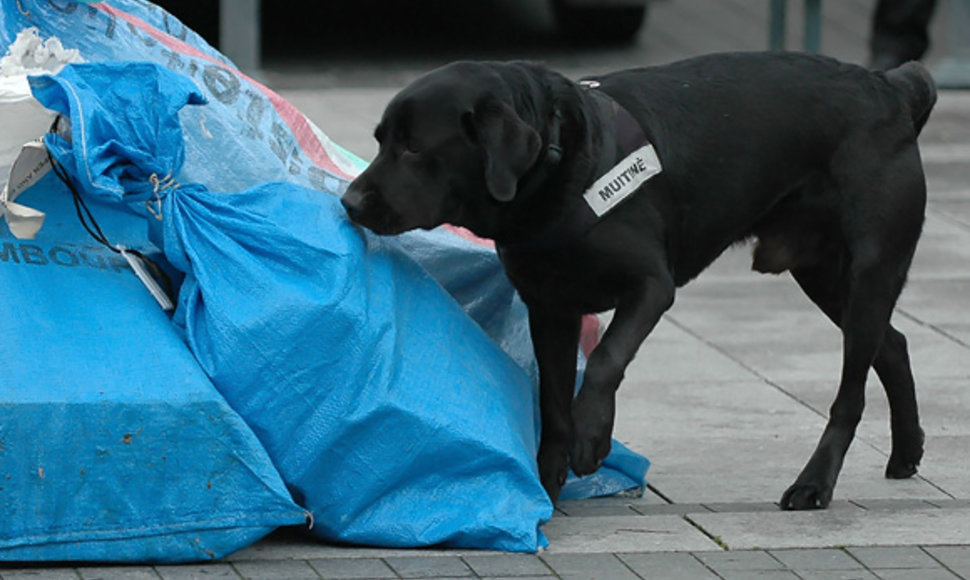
[[727, 399]]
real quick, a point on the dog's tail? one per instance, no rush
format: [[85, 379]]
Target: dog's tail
[[917, 88]]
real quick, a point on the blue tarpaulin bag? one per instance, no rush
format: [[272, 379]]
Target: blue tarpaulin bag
[[114, 445], [390, 414]]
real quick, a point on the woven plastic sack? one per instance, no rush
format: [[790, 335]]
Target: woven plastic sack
[[391, 415], [114, 445]]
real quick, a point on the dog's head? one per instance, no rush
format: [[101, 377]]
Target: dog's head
[[452, 150]]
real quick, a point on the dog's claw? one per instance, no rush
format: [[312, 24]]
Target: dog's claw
[[806, 496], [897, 469], [553, 470], [905, 458], [593, 430], [588, 455]]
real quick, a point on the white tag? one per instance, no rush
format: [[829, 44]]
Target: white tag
[[24, 222], [621, 181], [31, 164], [153, 288]]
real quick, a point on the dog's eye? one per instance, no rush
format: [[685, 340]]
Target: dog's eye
[[411, 146], [468, 126]]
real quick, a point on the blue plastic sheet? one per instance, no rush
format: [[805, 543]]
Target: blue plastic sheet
[[114, 445]]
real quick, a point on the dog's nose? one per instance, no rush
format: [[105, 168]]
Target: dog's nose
[[352, 205]]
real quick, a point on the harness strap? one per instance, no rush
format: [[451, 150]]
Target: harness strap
[[584, 212]]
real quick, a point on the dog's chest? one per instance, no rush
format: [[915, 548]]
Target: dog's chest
[[566, 279]]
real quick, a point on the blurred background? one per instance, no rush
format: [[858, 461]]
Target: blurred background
[[330, 57], [354, 39]]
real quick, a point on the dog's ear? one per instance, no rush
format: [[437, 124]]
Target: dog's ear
[[509, 145]]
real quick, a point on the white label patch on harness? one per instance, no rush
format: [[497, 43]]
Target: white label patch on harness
[[621, 181]]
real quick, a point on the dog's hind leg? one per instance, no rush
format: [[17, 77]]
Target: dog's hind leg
[[860, 297], [896, 375], [865, 320], [555, 337], [824, 286]]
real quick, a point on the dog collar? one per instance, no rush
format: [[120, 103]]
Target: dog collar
[[550, 161], [637, 163]]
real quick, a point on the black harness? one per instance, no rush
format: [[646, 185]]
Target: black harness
[[578, 218]]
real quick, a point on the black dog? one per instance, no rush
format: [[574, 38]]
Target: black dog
[[814, 159]]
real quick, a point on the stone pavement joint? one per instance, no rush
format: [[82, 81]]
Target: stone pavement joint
[[929, 562]]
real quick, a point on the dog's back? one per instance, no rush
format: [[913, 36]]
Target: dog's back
[[770, 122]]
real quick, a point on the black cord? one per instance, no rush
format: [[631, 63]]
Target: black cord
[[91, 225]]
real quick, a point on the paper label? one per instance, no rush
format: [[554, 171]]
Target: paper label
[[31, 164], [621, 181]]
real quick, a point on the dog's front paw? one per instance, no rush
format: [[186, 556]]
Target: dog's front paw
[[806, 496], [553, 469], [593, 430]]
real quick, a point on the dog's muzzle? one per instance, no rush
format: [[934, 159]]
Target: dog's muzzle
[[353, 206], [367, 208]]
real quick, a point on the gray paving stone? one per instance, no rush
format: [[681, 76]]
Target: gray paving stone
[[588, 567], [671, 509], [894, 504], [759, 575], [940, 254], [817, 559], [118, 573], [430, 567], [842, 504], [920, 573], [39, 574], [710, 442], [672, 355], [352, 568], [945, 461], [197, 572], [826, 529], [596, 507], [950, 503], [650, 496], [747, 560], [667, 566], [861, 574], [876, 557], [276, 570], [956, 558], [492, 565], [624, 534], [300, 548], [741, 507]]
